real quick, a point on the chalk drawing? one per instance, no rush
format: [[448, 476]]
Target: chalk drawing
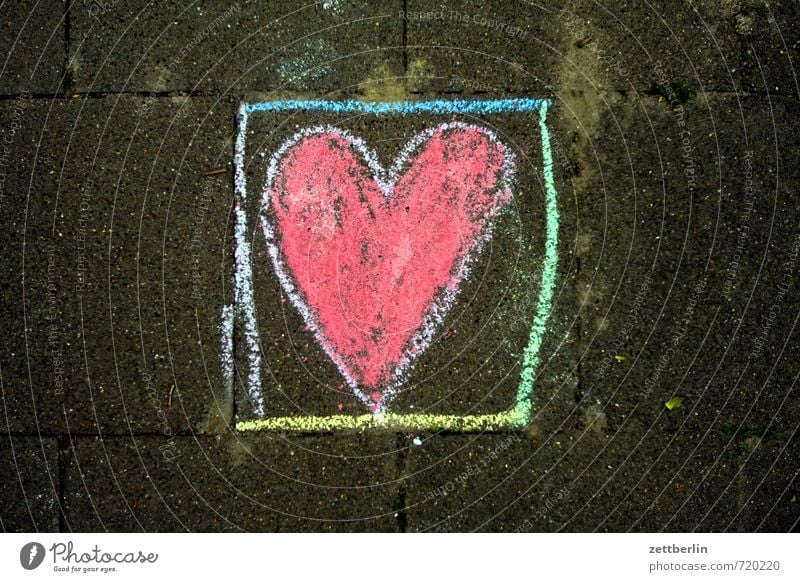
[[373, 260], [312, 63], [404, 108], [226, 347], [361, 226], [333, 5], [243, 274], [530, 358]]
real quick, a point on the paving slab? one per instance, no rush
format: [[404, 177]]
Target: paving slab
[[482, 48], [117, 262], [485, 482], [534, 47], [770, 45], [765, 489], [233, 483], [34, 384], [675, 235], [33, 44], [591, 476], [30, 483], [232, 47], [633, 45]]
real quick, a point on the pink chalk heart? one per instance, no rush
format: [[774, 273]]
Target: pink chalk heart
[[373, 259]]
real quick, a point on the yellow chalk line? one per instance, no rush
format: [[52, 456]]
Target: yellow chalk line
[[388, 420]]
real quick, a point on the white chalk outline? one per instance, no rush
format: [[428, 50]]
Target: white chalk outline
[[226, 347], [243, 274], [386, 181]]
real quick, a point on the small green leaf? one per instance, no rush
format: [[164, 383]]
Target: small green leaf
[[620, 358], [674, 402], [793, 499]]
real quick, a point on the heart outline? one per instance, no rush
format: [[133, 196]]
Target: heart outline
[[386, 180]]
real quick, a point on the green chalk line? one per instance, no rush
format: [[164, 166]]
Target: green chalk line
[[387, 420], [515, 418], [530, 357]]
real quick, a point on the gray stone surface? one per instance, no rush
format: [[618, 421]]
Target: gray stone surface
[[479, 48], [233, 483], [769, 38], [116, 265], [32, 42], [232, 47], [663, 266], [30, 481], [629, 41], [678, 269]]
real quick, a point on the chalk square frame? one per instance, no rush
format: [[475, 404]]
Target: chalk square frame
[[519, 415]]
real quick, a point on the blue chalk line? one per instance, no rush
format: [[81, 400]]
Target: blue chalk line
[[435, 107]]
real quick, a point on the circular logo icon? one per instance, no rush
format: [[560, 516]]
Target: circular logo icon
[[31, 555]]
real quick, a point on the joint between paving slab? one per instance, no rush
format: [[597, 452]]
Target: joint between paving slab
[[402, 467], [64, 444], [405, 38], [67, 30], [236, 99], [578, 395], [104, 434]]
